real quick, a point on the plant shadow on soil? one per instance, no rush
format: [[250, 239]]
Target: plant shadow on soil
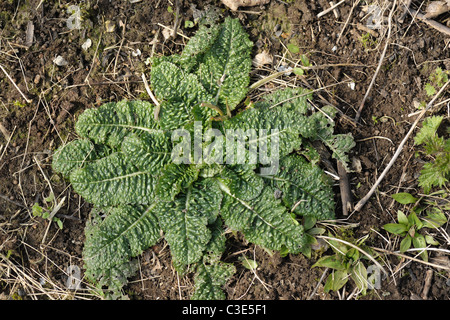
[[113, 67]]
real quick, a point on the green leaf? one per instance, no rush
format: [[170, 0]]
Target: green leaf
[[75, 155], [340, 145], [242, 181], [171, 83], [429, 89], [216, 245], [431, 176], [309, 222], [224, 70], [405, 244], [148, 151], [178, 93], [210, 279], [430, 240], [435, 218], [112, 122], [298, 71], [206, 198], [248, 263], [336, 280], [111, 242], [316, 231], [419, 242], [59, 223], [185, 221], [414, 220], [359, 275], [352, 254], [279, 120], [113, 180], [174, 178], [304, 187], [305, 60], [293, 48], [396, 228], [428, 131], [198, 45], [332, 262], [402, 218], [404, 198], [185, 229], [37, 210], [263, 221], [188, 24]]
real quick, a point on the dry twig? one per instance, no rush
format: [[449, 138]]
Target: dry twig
[[427, 285], [344, 186], [324, 12], [434, 24]]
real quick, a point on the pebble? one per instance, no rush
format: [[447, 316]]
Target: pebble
[[60, 61]]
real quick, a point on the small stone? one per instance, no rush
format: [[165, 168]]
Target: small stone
[[60, 61], [87, 44]]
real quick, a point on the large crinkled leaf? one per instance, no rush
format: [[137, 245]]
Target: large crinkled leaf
[[148, 151], [242, 181], [172, 83], [278, 122], [206, 198], [114, 180], [76, 154], [294, 100], [179, 92], [111, 242], [112, 122], [209, 280], [263, 221], [305, 188], [217, 244], [174, 178], [184, 222], [199, 44], [225, 68]]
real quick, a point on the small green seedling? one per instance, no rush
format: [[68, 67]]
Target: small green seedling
[[367, 41], [305, 63], [247, 263], [437, 79], [436, 172], [408, 226], [311, 231], [48, 212], [188, 24], [346, 263]]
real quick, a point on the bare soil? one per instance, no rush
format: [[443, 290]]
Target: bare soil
[[35, 255]]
